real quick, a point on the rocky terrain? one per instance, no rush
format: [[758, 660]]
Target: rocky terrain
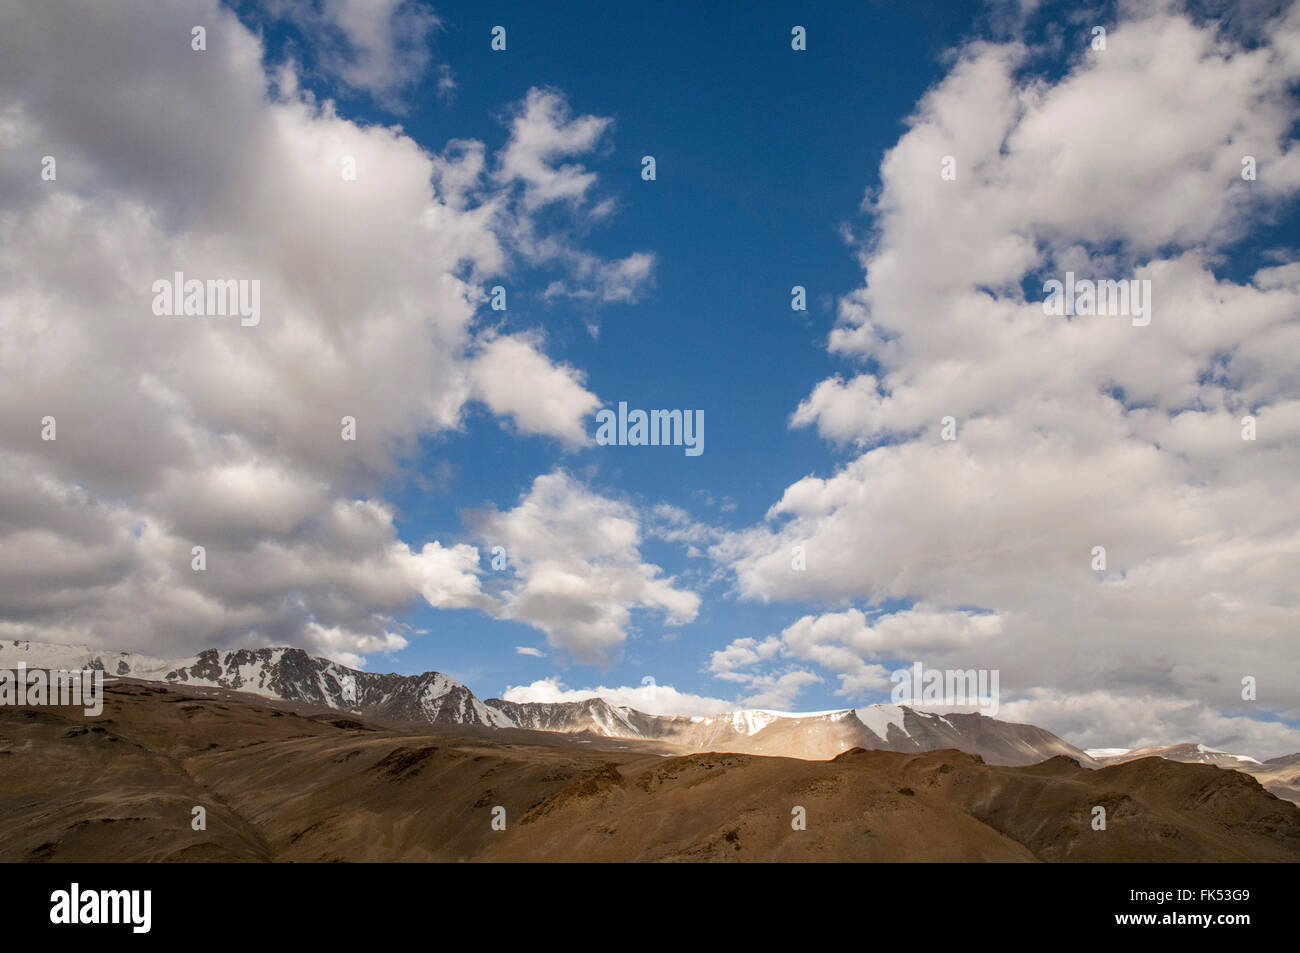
[[433, 699], [290, 781], [1280, 775]]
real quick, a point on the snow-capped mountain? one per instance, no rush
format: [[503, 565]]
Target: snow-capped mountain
[[591, 714], [1281, 775], [287, 673], [293, 675], [1186, 753], [821, 735], [812, 735]]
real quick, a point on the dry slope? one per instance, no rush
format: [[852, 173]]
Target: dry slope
[[284, 781]]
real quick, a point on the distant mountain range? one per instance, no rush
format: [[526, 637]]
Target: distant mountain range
[[1279, 775], [816, 736], [1186, 753], [293, 675]]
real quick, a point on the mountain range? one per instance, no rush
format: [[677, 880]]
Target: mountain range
[[293, 675], [1186, 753]]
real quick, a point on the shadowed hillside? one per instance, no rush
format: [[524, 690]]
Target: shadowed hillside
[[284, 781]]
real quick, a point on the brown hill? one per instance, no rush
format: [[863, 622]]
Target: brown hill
[[283, 781], [1279, 775]]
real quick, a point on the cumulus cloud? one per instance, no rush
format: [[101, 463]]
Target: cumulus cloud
[[516, 380], [380, 47], [542, 132], [649, 698], [743, 661], [531, 168], [578, 571], [728, 663], [779, 691], [182, 431], [1102, 719], [1071, 432], [851, 645]]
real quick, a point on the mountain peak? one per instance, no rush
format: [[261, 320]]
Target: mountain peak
[[293, 674]]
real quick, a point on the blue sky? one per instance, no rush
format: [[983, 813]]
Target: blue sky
[[921, 169], [757, 181]]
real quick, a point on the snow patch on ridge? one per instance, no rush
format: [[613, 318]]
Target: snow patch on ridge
[[750, 721], [878, 718]]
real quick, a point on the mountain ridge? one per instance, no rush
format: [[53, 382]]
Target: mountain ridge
[[292, 674]]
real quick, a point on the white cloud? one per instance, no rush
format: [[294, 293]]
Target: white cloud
[[618, 281], [529, 650], [447, 577], [1101, 718], [379, 46], [530, 168], [1071, 433], [850, 645], [674, 524], [578, 571], [741, 654], [651, 699], [742, 662], [516, 380], [541, 132], [779, 691], [182, 431]]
